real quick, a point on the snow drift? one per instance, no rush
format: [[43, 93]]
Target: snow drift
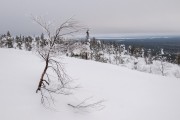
[[129, 94]]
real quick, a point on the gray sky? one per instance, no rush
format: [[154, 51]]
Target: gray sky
[[101, 16]]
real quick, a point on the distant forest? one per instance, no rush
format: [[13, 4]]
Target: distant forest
[[170, 45], [149, 46]]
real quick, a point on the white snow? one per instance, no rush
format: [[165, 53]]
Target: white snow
[[128, 94]]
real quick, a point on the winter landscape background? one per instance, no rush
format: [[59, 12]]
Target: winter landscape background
[[126, 83], [90, 60]]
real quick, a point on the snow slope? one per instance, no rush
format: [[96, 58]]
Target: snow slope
[[129, 94]]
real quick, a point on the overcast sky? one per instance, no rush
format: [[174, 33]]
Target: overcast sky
[[101, 16]]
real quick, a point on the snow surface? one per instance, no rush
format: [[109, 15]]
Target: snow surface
[[128, 94]]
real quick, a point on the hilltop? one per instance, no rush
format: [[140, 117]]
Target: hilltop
[[128, 94]]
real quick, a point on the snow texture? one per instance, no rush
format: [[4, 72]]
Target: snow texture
[[128, 94]]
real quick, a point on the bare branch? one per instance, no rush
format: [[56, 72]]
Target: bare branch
[[43, 24], [60, 84], [85, 105]]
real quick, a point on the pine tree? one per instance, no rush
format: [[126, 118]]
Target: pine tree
[[19, 42], [8, 34], [9, 40]]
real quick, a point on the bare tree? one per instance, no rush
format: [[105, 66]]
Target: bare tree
[[58, 81]]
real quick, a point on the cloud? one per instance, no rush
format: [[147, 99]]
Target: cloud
[[102, 16]]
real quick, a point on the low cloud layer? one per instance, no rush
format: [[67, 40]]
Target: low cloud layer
[[101, 16]]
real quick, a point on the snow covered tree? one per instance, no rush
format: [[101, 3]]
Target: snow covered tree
[[96, 47], [2, 40], [149, 59], [142, 53], [18, 42], [8, 34], [178, 59], [59, 83], [163, 65], [42, 36], [6, 40], [9, 40], [42, 41], [28, 42]]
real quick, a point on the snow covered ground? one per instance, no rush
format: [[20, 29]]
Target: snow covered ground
[[128, 94]]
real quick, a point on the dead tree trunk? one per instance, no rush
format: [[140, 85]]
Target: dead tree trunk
[[58, 82], [41, 84]]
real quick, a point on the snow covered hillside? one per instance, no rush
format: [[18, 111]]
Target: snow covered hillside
[[128, 94]]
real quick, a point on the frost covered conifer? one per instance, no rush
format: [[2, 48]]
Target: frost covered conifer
[[9, 40]]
